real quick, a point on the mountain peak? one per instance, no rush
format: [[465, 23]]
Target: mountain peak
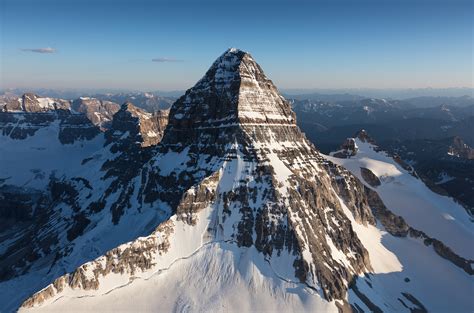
[[234, 90], [364, 136], [235, 51], [142, 128]]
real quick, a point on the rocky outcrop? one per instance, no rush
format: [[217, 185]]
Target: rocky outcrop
[[9, 104], [100, 113], [369, 177], [460, 149], [126, 259], [363, 136], [136, 126], [349, 188], [158, 126], [394, 224], [348, 148]]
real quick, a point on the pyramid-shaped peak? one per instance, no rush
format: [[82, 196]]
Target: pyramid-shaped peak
[[233, 90]]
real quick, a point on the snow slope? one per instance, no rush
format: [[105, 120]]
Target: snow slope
[[232, 280], [31, 161], [201, 259], [407, 265], [438, 216], [204, 260], [228, 276]]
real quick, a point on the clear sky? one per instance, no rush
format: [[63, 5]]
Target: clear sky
[[299, 44]]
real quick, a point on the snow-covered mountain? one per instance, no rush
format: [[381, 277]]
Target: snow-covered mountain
[[30, 102], [235, 210], [51, 158]]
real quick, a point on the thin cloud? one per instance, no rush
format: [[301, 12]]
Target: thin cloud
[[40, 50], [163, 60]]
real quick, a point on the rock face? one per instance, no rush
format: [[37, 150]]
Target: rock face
[[235, 114], [23, 117], [369, 177], [139, 126], [99, 112], [233, 90], [32, 103], [161, 121]]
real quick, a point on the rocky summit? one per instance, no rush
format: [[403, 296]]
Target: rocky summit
[[232, 210], [99, 112], [137, 125]]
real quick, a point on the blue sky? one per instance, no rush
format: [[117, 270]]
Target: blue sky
[[299, 44]]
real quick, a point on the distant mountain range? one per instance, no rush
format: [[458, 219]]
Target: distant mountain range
[[69, 93], [328, 123], [421, 97], [391, 93], [147, 101]]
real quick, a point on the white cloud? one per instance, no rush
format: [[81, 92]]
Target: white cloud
[[162, 60], [40, 50]]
